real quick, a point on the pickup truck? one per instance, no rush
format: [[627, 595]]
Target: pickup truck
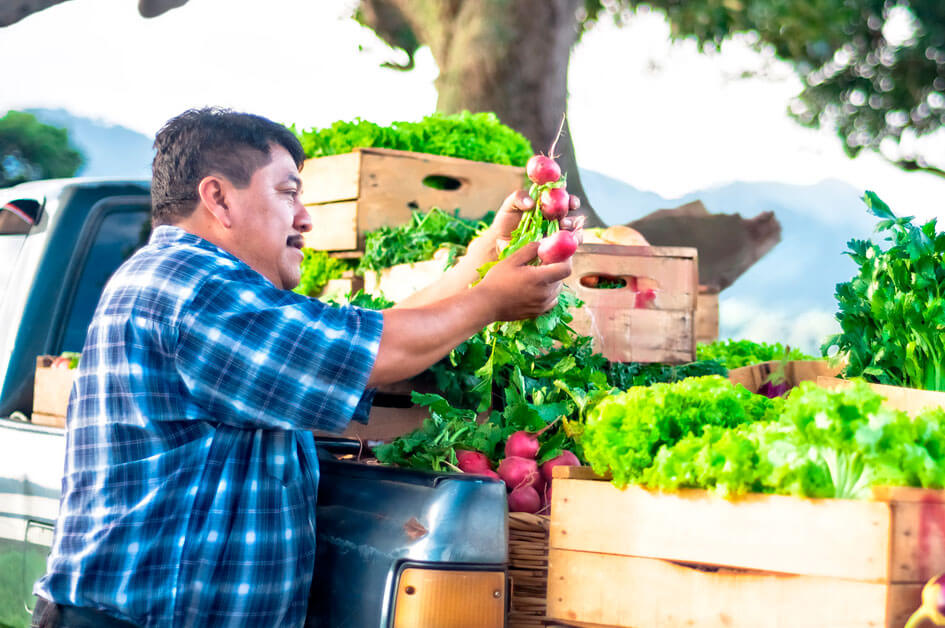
[[396, 548]]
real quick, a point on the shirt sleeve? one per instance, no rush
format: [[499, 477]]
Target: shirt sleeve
[[257, 356]]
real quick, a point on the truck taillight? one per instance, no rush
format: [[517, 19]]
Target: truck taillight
[[439, 598]]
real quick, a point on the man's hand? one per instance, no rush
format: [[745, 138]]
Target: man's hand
[[519, 290], [416, 336], [486, 247]]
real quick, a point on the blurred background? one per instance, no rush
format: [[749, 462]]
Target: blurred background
[[655, 117]]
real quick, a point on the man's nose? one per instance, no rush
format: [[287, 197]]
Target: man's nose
[[303, 220]]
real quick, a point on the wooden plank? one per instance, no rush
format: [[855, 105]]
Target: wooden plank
[[707, 316], [643, 593], [51, 387], [392, 186], [399, 282], [50, 420], [623, 335], [336, 289], [910, 400], [335, 226], [826, 537], [331, 179], [575, 473], [384, 424], [796, 371], [918, 538]]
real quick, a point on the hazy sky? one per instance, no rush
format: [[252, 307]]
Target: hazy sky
[[657, 115]]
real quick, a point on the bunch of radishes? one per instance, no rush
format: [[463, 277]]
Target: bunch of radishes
[[552, 203], [528, 483]]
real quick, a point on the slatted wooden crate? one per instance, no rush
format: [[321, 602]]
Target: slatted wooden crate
[[645, 559], [909, 400], [51, 390], [795, 372], [652, 317], [399, 282], [351, 194]]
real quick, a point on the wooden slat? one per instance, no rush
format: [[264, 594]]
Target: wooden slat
[[646, 593], [399, 282], [707, 316], [391, 186], [625, 335], [838, 538], [51, 388], [384, 424], [575, 473], [910, 400], [50, 420], [674, 276], [918, 539], [335, 226], [331, 179]]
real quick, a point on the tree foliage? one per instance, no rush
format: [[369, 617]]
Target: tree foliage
[[31, 150], [874, 70]]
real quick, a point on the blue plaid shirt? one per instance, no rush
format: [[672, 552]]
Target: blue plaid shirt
[[188, 497]]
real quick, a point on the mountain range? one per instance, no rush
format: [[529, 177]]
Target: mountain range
[[787, 296]]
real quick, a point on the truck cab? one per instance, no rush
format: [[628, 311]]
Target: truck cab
[[395, 547]]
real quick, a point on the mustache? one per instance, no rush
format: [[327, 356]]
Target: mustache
[[295, 240]]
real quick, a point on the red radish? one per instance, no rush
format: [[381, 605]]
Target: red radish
[[555, 203], [564, 459], [522, 444], [541, 170], [557, 247], [489, 473], [644, 299], [546, 496], [472, 461], [524, 499], [518, 471]]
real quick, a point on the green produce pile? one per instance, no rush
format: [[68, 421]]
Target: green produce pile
[[737, 353], [892, 313], [475, 136], [419, 239], [710, 434], [318, 268]]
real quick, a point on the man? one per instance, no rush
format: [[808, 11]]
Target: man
[[191, 471]]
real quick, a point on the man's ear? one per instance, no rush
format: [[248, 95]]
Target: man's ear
[[213, 192]]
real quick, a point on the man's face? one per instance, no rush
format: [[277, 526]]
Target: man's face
[[269, 220]]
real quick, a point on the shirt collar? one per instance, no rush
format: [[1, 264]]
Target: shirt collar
[[164, 235]]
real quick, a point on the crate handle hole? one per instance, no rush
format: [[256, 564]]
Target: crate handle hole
[[442, 182]]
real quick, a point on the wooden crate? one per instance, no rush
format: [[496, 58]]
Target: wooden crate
[[51, 390], [795, 372], [625, 324], [351, 194], [399, 282], [910, 400], [645, 559], [337, 289], [707, 315]]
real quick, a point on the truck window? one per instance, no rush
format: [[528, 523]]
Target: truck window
[[122, 232]]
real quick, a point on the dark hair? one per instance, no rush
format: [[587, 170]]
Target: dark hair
[[201, 142]]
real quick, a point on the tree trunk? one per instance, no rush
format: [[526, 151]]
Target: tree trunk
[[505, 56]]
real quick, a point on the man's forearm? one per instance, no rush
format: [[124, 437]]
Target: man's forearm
[[415, 338], [458, 278]]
